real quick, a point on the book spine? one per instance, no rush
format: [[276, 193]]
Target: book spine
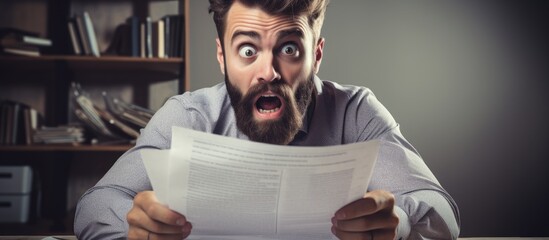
[[83, 35], [167, 36], [15, 126], [173, 36], [181, 37], [94, 46], [161, 41], [37, 41], [24, 52], [133, 22], [148, 37], [142, 33], [3, 122], [74, 38], [28, 126]]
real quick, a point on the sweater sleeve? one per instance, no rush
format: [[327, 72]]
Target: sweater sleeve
[[101, 211], [425, 209]]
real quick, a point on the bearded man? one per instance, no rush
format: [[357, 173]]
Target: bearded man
[[270, 52]]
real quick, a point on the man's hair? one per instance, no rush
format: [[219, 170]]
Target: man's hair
[[314, 10]]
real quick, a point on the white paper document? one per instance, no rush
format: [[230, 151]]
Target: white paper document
[[237, 189]]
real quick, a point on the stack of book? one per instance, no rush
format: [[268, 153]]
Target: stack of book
[[160, 39], [20, 42], [18, 123], [60, 135], [82, 34], [136, 116], [120, 122]]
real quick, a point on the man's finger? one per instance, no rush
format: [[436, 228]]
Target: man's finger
[[141, 220], [372, 202], [351, 235], [155, 236], [384, 234], [137, 233], [187, 229], [379, 220], [150, 205]]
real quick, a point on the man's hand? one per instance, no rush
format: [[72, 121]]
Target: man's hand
[[149, 219], [371, 217]]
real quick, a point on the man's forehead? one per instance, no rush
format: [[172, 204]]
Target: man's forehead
[[242, 18]]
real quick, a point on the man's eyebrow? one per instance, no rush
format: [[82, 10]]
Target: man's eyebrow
[[250, 34], [289, 32]]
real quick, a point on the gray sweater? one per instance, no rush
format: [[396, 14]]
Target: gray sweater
[[341, 114]]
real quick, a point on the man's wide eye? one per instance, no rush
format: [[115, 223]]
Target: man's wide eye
[[290, 49], [247, 51]]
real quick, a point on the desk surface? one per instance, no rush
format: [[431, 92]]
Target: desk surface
[[37, 238], [74, 238], [505, 238]]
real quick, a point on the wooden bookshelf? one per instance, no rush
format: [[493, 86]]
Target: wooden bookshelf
[[66, 148], [43, 83]]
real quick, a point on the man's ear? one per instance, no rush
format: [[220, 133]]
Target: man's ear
[[219, 54], [318, 54]]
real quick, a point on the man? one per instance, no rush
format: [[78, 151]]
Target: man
[[270, 52]]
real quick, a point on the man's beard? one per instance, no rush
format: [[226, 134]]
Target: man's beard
[[279, 131]]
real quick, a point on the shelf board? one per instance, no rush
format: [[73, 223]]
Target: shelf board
[[166, 68], [65, 148], [107, 58], [115, 59], [124, 64]]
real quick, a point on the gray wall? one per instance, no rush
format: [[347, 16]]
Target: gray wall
[[466, 80]]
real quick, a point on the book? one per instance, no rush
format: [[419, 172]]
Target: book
[[142, 33], [14, 124], [3, 122], [158, 39], [117, 125], [31, 122], [90, 33], [104, 127], [60, 135], [16, 37], [93, 118], [76, 42], [130, 113], [80, 26], [174, 36], [148, 38], [83, 118], [133, 23], [16, 128], [179, 42], [9, 124], [167, 35], [20, 50]]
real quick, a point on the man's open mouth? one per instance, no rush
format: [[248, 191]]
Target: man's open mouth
[[269, 105]]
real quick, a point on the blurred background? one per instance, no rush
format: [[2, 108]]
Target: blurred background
[[467, 81]]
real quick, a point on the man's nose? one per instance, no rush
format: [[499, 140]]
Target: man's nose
[[267, 69]]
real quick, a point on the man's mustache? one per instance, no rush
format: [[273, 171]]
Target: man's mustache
[[279, 87]]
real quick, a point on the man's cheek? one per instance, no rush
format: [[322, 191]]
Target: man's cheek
[[241, 86], [293, 76]]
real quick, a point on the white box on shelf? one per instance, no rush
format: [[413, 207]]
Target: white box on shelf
[[15, 180], [14, 208], [15, 193]]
